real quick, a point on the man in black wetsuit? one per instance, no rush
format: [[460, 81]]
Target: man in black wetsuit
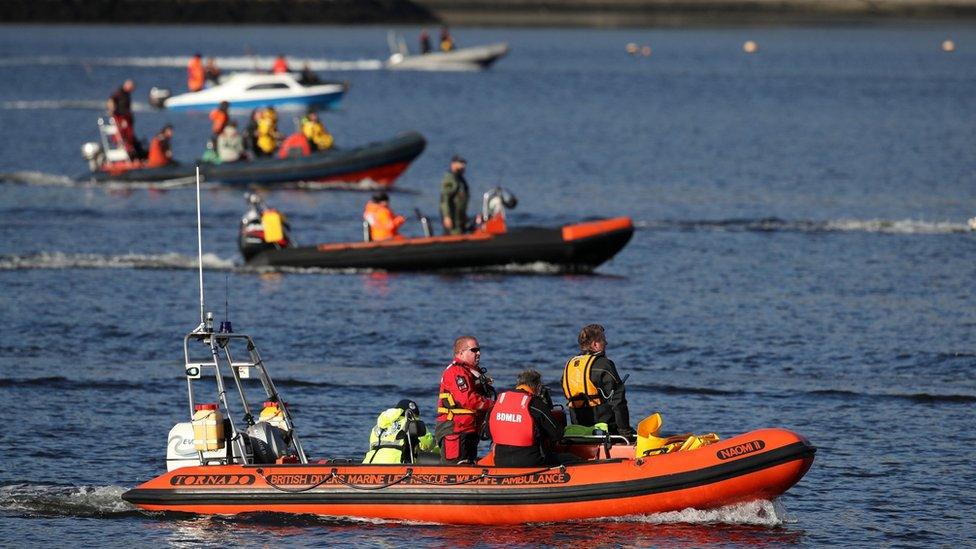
[[593, 387]]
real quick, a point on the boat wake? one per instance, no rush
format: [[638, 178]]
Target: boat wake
[[38, 178], [237, 63], [73, 501], [43, 179], [75, 104], [754, 513], [58, 260], [775, 224]]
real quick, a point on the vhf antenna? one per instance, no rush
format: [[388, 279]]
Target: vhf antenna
[[203, 318]]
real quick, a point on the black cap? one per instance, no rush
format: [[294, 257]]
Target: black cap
[[408, 405], [458, 158], [381, 197]]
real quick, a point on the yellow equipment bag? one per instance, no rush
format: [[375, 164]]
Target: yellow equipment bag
[[648, 441], [273, 227]]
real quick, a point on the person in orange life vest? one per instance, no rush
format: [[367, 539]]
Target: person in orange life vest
[[521, 425], [383, 223], [464, 399], [593, 387], [219, 118], [160, 153], [195, 75], [280, 65]]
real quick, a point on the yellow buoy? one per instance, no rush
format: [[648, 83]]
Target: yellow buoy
[[948, 45], [750, 47]]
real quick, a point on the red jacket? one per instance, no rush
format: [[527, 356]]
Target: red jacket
[[462, 398]]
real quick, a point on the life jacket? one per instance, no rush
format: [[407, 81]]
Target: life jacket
[[157, 152], [195, 75], [219, 120], [274, 227], [510, 422], [447, 405], [577, 385], [267, 133], [383, 225], [280, 66], [294, 145], [317, 134], [388, 438]]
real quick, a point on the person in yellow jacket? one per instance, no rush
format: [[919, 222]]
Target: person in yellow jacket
[[318, 137], [267, 132], [399, 436], [383, 223]]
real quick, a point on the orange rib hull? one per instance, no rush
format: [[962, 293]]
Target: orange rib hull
[[757, 465]]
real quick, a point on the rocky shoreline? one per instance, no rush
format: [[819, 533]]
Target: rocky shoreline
[[583, 13]]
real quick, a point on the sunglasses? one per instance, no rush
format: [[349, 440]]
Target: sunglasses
[[475, 349]]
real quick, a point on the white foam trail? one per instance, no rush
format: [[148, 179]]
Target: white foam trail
[[84, 501], [904, 226], [242, 63], [59, 260], [38, 178], [757, 513], [78, 104]]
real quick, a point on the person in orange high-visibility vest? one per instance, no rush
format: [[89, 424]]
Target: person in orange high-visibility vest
[[383, 223], [219, 118], [195, 75], [521, 424], [280, 65]]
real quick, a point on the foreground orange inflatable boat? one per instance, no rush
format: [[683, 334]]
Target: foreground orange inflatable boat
[[225, 469]]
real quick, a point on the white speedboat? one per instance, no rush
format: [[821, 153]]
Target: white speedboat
[[251, 90], [461, 59]]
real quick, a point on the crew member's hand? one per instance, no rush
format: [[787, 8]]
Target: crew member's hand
[[448, 224]]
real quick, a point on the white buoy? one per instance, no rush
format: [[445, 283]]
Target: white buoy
[[948, 46], [632, 48], [750, 47]]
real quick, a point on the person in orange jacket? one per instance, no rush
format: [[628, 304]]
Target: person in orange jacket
[[280, 65], [383, 223], [219, 118], [195, 75], [160, 153]]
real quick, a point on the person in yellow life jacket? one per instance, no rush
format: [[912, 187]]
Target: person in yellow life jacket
[[263, 227], [522, 426], [315, 132], [593, 387], [267, 135], [447, 41], [383, 223], [401, 437]]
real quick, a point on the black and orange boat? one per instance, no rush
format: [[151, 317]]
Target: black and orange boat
[[578, 247], [221, 463]]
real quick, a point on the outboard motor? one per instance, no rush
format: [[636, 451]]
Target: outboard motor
[[262, 228], [158, 97], [92, 152], [493, 206]]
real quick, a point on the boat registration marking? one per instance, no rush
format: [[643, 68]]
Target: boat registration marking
[[740, 449]]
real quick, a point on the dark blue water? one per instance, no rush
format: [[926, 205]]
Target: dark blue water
[[802, 260]]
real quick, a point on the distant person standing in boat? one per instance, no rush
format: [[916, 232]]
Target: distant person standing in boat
[[267, 132], [219, 118], [593, 387], [160, 150], [454, 197], [464, 399], [308, 76], [251, 133], [424, 42], [120, 109], [211, 72], [280, 65], [383, 223], [447, 42], [521, 424], [195, 75]]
